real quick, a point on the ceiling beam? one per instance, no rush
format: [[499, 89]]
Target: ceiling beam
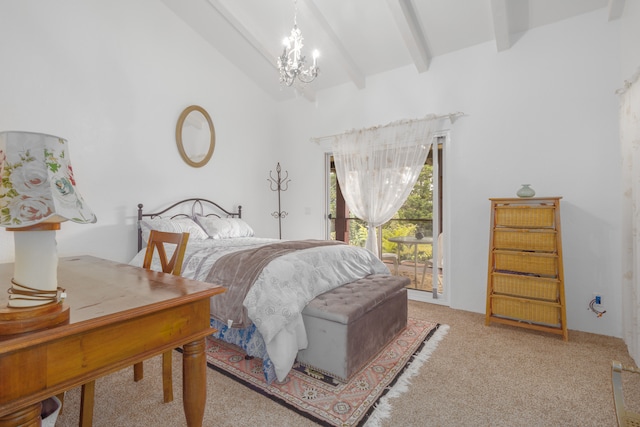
[[616, 7], [500, 16], [258, 46], [404, 14], [345, 60], [244, 32]]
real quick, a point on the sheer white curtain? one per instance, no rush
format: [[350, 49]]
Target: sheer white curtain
[[630, 142], [378, 167]]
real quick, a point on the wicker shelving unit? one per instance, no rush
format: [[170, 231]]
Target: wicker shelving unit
[[525, 282]]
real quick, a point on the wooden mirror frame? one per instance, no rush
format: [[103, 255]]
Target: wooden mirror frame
[[212, 132]]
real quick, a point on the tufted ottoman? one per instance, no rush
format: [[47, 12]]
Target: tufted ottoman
[[349, 325]]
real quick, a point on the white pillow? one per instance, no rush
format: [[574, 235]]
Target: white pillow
[[224, 228], [172, 225]]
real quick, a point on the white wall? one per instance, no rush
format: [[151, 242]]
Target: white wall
[[630, 36], [543, 112], [112, 77]]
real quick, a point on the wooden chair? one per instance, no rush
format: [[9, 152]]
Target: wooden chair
[[157, 241]]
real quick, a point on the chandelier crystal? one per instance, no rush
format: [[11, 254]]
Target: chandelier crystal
[[291, 63]]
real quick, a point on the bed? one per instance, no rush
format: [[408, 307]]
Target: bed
[[269, 281]]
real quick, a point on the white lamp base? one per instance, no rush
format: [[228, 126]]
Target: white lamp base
[[35, 267]]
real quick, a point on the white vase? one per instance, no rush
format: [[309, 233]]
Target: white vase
[[526, 191]]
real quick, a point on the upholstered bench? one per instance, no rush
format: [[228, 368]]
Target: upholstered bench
[[349, 325]]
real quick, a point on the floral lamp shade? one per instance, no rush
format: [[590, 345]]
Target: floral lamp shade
[[37, 192], [37, 182]]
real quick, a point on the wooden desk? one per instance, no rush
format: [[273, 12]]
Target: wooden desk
[[120, 315]]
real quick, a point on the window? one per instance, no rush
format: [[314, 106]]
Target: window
[[408, 257]]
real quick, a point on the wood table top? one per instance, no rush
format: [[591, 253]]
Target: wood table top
[[100, 291]]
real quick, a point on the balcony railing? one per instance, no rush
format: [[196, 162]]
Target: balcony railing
[[357, 236]]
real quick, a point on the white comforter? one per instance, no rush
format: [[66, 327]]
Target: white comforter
[[276, 300]]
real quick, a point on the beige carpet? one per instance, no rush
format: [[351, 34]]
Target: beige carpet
[[478, 376]]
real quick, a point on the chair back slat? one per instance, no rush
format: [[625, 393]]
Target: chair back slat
[[158, 241]]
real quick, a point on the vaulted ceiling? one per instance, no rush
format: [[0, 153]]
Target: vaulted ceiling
[[360, 38]]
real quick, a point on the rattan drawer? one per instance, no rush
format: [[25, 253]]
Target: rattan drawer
[[535, 263], [525, 310], [526, 286], [524, 216], [524, 239]]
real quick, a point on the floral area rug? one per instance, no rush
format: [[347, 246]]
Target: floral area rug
[[362, 401]]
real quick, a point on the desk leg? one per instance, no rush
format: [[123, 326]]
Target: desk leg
[[25, 417], [194, 382]]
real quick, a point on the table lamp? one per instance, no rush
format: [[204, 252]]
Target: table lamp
[[37, 193]]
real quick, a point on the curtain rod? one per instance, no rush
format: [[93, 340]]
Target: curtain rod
[[451, 116]]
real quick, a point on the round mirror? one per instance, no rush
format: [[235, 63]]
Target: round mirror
[[196, 136]]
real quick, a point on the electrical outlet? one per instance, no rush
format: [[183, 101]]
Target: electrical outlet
[[596, 304], [597, 296]]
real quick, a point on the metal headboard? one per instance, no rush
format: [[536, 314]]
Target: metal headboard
[[187, 208]]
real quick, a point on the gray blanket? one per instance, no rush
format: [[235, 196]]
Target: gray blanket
[[239, 270]]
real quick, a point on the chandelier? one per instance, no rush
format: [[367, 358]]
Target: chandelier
[[291, 63]]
